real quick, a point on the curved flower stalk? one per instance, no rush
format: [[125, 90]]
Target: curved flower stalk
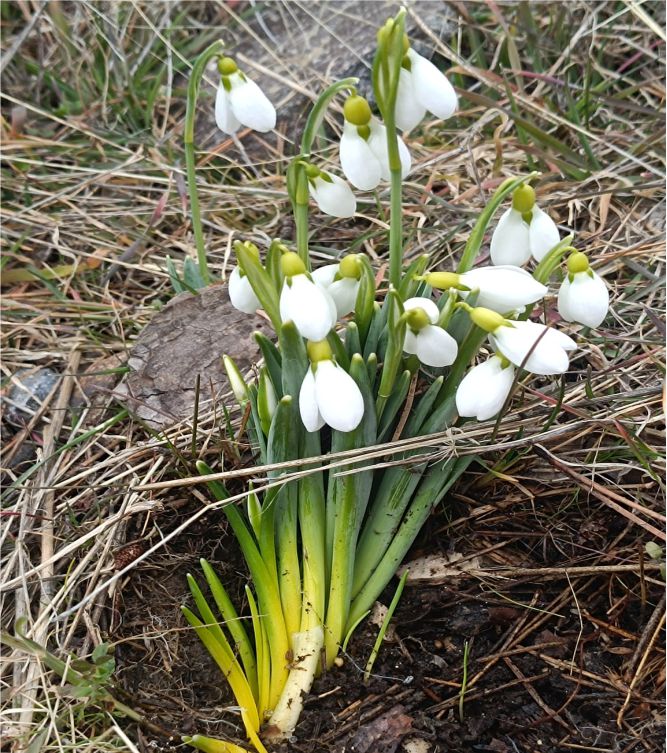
[[432, 345], [523, 230], [422, 87], [331, 194], [309, 306], [583, 297], [239, 101], [501, 289], [364, 157], [328, 393], [485, 389], [341, 281]]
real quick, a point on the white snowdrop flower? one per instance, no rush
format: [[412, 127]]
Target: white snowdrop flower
[[501, 289], [241, 293], [535, 347], [523, 230], [239, 101], [328, 393], [331, 194], [341, 281], [422, 87], [432, 345], [308, 305], [583, 297], [485, 388]]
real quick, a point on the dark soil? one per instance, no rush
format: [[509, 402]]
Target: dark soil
[[522, 636]]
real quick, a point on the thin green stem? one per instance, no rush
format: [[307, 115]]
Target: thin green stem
[[198, 69]]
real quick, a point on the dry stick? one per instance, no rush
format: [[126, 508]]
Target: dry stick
[[51, 433], [653, 629], [598, 491], [535, 695]]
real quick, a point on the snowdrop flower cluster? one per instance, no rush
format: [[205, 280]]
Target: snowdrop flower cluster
[[523, 231], [240, 102]]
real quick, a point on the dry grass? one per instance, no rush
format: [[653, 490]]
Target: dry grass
[[93, 105]]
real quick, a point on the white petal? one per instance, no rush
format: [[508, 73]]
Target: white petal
[[410, 342], [252, 107], [426, 304], [338, 397], [584, 300], [310, 308], [543, 234], [432, 88], [504, 288], [344, 292], [484, 389], [225, 119], [436, 347], [547, 347], [409, 112], [335, 198], [510, 242], [378, 143], [310, 414], [359, 163], [324, 276], [241, 293]]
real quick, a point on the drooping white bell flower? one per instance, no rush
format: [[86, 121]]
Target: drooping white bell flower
[[535, 347], [308, 305], [341, 281], [422, 87], [583, 297], [239, 101], [523, 230], [432, 345], [241, 293], [331, 194], [484, 389], [501, 289], [328, 393]]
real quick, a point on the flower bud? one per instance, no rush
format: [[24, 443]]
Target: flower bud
[[357, 110], [236, 381], [486, 319], [350, 266], [577, 262], [318, 351], [443, 280], [227, 66], [292, 264], [523, 199], [417, 319]]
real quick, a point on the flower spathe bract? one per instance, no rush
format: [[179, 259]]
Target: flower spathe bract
[[535, 347], [332, 195], [423, 87], [583, 297], [241, 293], [330, 396], [503, 288], [431, 344], [484, 389], [239, 101], [309, 306]]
